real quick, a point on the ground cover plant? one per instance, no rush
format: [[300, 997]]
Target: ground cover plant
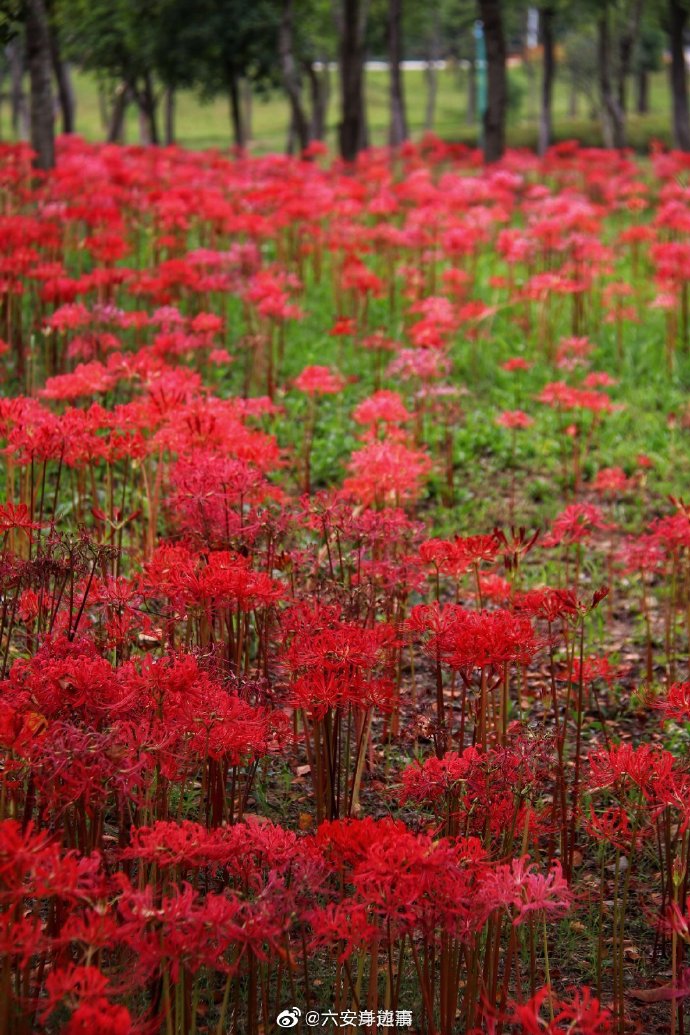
[[345, 592]]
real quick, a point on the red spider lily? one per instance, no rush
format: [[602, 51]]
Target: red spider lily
[[495, 589], [564, 397], [487, 641], [548, 604], [581, 1013], [599, 379], [676, 704], [515, 364], [514, 420], [468, 640], [576, 524], [386, 472], [344, 326], [345, 842], [438, 778], [612, 827], [12, 517], [32, 864], [85, 990], [379, 413], [345, 924], [225, 581], [409, 882], [612, 479], [319, 381], [419, 364], [645, 767], [573, 352], [210, 497], [517, 886], [491, 796], [251, 852], [463, 553], [334, 668], [189, 638]]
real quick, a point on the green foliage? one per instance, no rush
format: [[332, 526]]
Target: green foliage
[[517, 90], [11, 13], [226, 39], [114, 38], [314, 29], [650, 48], [183, 43]]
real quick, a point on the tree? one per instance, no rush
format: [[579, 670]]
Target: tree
[[291, 79], [42, 129], [398, 116], [547, 15], [677, 20], [316, 46], [116, 40], [580, 65], [497, 85], [612, 115], [61, 71], [228, 43], [146, 48], [605, 62], [437, 30], [647, 58], [422, 29], [63, 82], [16, 60], [627, 42], [351, 29]]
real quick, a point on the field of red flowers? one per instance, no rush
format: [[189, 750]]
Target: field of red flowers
[[345, 593]]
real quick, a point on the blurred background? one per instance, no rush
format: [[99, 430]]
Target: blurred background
[[278, 75]]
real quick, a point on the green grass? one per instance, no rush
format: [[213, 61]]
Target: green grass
[[202, 125]]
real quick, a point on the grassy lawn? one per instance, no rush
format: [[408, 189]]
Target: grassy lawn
[[201, 125]]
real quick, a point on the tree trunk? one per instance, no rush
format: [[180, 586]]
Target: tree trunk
[[169, 116], [236, 112], [353, 130], [642, 99], [20, 114], [431, 77], [612, 117], [63, 80], [472, 91], [149, 116], [103, 108], [291, 80], [292, 138], [397, 132], [319, 91], [626, 48], [116, 125], [678, 16], [546, 16], [247, 99], [39, 65], [497, 93], [431, 74]]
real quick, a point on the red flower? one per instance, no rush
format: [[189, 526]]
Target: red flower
[[514, 419], [319, 381], [386, 472]]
